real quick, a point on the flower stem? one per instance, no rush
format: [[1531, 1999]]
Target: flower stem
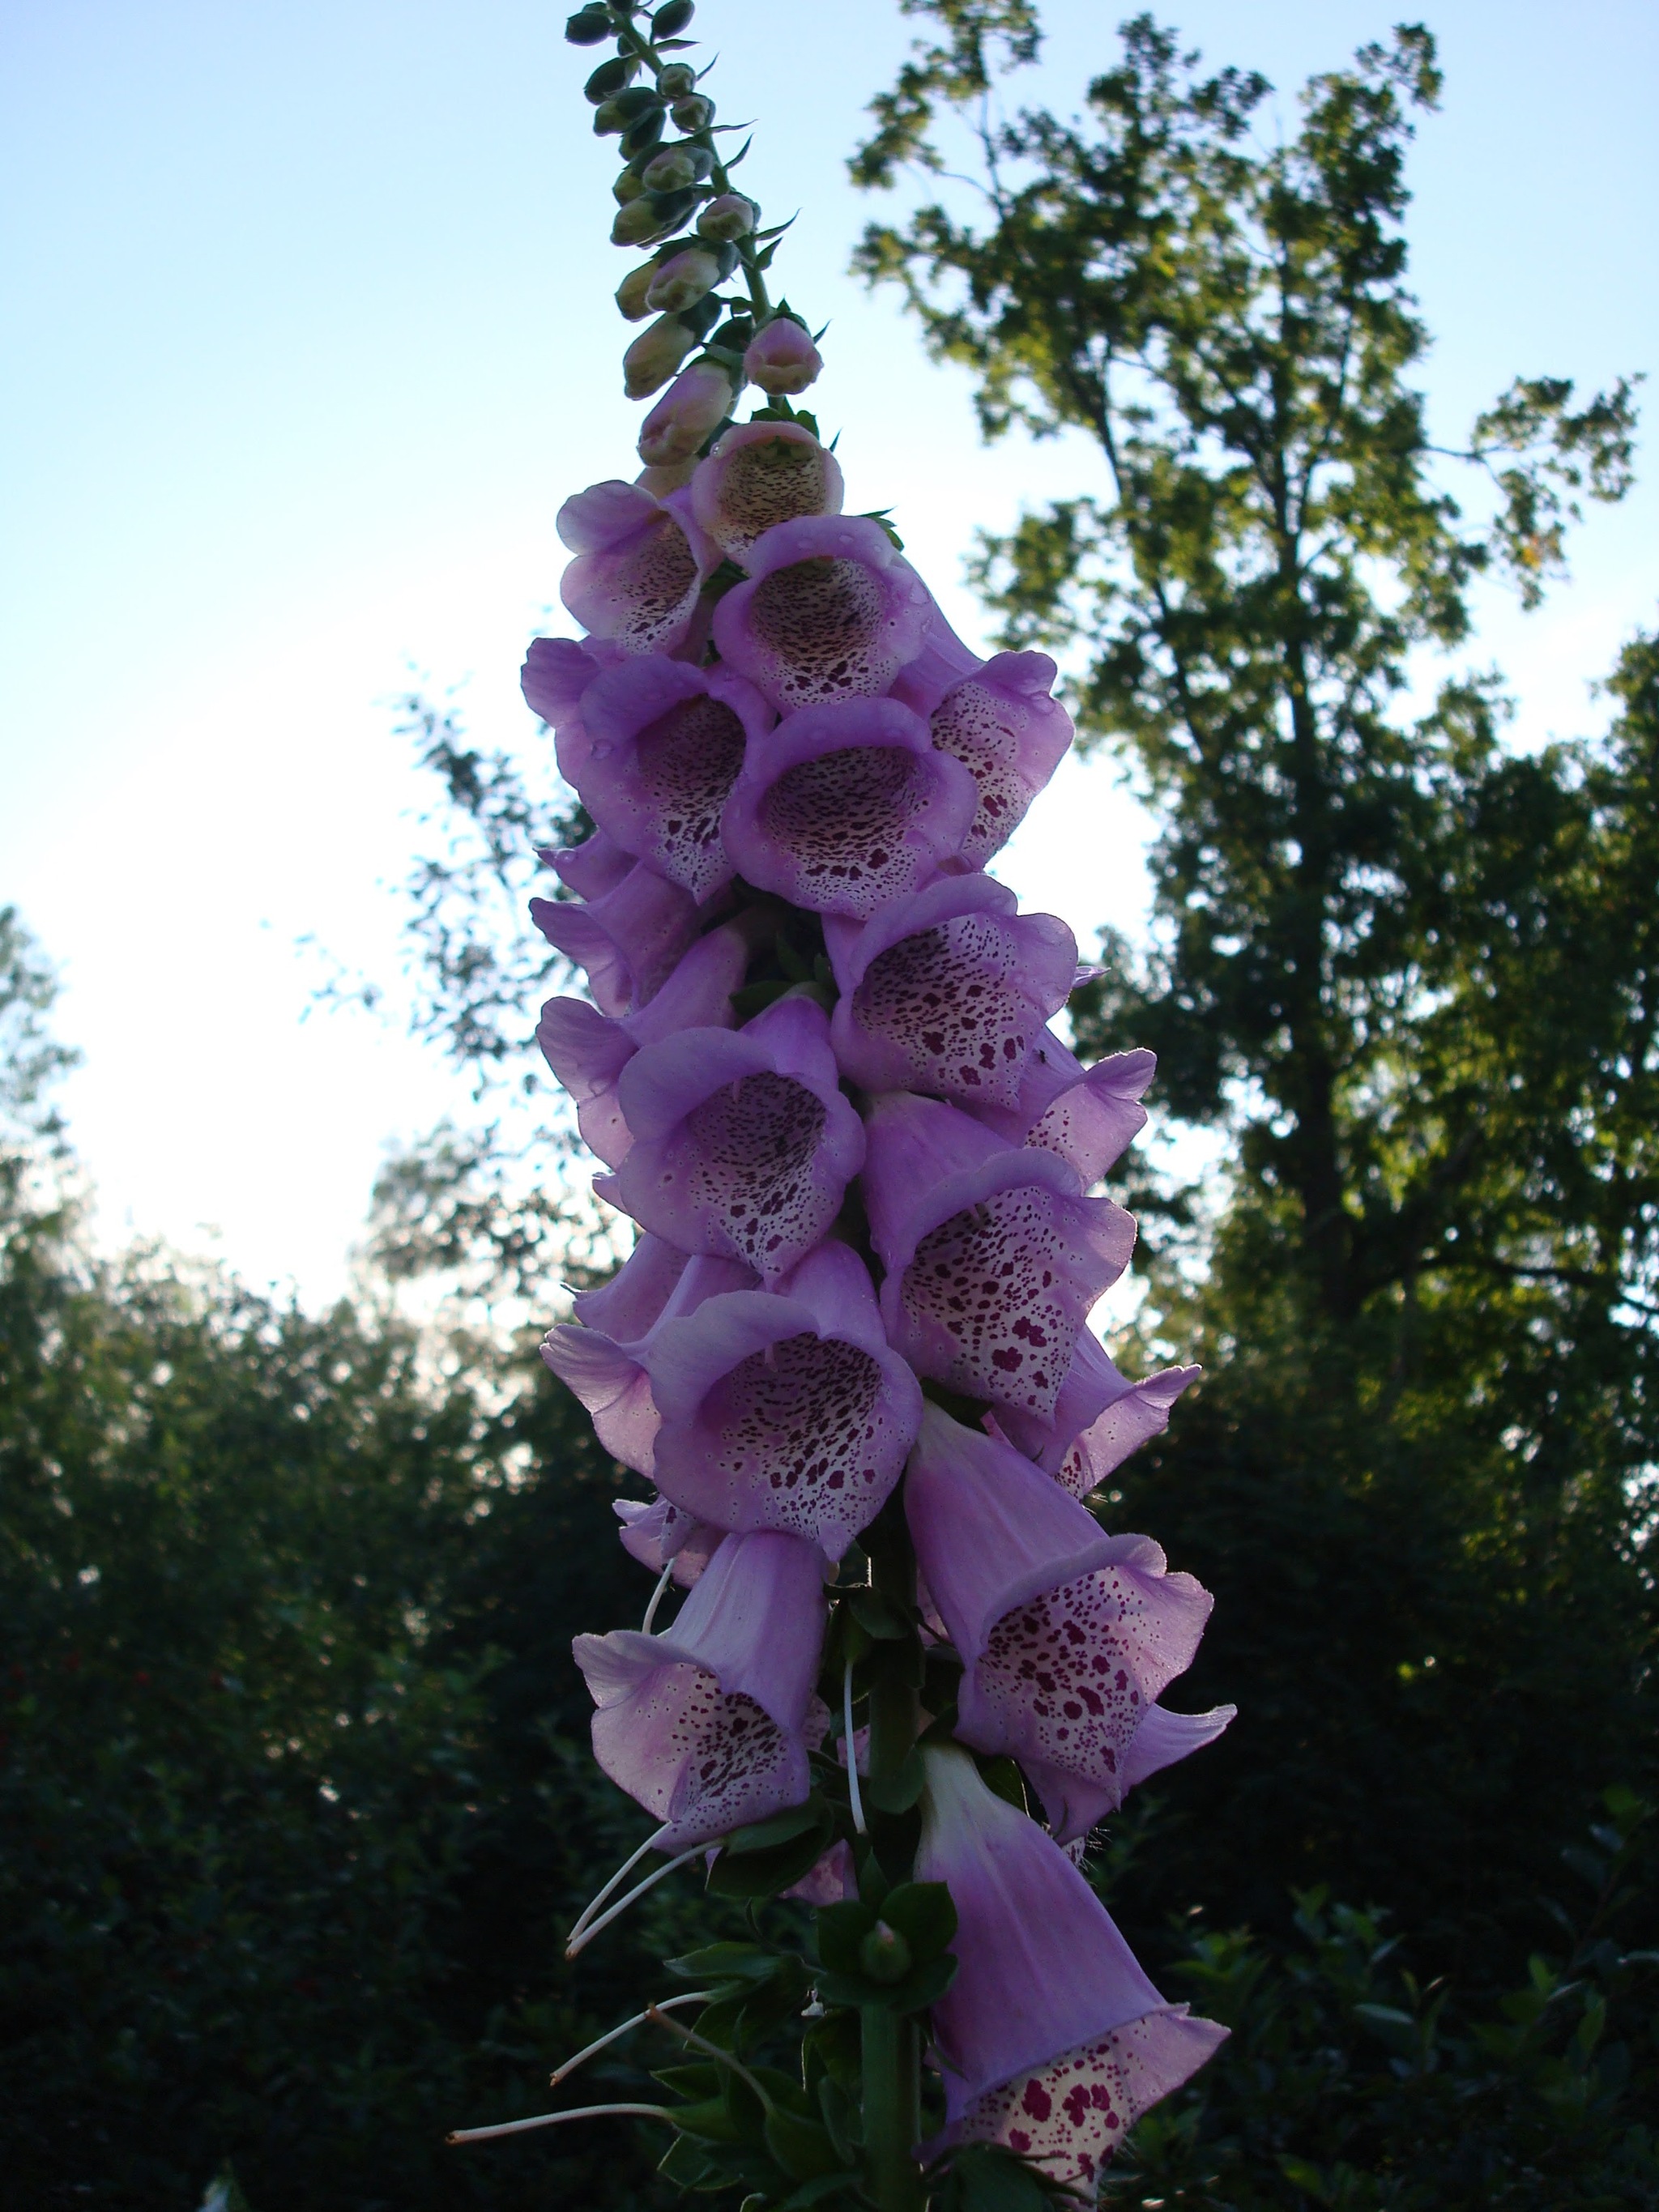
[[892, 2044]]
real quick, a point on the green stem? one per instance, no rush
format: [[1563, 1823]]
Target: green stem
[[891, 2045], [892, 2107]]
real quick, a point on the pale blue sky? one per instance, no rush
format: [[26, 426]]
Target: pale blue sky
[[310, 333]]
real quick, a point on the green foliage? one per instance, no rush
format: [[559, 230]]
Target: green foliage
[[1350, 2083], [1413, 977]]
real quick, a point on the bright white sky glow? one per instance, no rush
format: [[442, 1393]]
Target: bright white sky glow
[[310, 334]]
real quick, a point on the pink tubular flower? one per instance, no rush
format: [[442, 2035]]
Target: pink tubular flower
[[556, 672], [993, 1255], [743, 1143], [627, 929], [640, 565], [588, 1051], [1067, 1635], [831, 612], [1051, 2038], [782, 358], [691, 410], [603, 1359], [759, 476], [845, 807], [948, 991], [785, 1410], [664, 744], [1002, 725], [709, 1725]]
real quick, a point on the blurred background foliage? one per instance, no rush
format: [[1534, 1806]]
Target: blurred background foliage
[[294, 1793]]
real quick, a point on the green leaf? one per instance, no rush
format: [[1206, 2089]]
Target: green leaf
[[801, 2147], [723, 1962]]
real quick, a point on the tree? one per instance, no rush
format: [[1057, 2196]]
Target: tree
[[1410, 975]]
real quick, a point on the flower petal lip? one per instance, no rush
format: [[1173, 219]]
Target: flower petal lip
[[1086, 1115], [1141, 1412], [665, 743], [639, 566], [658, 1535], [1043, 1970], [1001, 724], [1009, 1331], [628, 937], [761, 475], [962, 985], [845, 806], [743, 1142], [1067, 1635], [587, 1050], [605, 1369], [785, 1409], [990, 1529], [707, 1724], [831, 611]]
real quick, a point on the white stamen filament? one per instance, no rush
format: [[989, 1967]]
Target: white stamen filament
[[553, 2119], [663, 1581], [620, 1875], [582, 1937], [616, 2035], [852, 1751]]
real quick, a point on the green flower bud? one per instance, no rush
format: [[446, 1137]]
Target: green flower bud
[[627, 186], [645, 133], [654, 356], [669, 22], [677, 166], [631, 292], [609, 78], [884, 1955], [623, 108], [674, 82], [673, 209], [693, 112], [729, 216], [684, 279], [589, 26], [637, 223]]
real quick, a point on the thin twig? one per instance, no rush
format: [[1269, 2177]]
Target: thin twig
[[616, 2034], [582, 1937], [554, 2119]]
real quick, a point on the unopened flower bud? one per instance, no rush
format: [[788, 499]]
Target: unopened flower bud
[[669, 22], [631, 293], [884, 1955], [639, 137], [689, 412], [609, 78], [692, 111], [731, 216], [627, 187], [782, 358], [623, 108], [589, 26], [655, 354], [676, 167], [637, 223], [677, 80], [684, 279]]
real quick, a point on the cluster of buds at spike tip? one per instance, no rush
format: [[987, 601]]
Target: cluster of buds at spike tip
[[893, 1664]]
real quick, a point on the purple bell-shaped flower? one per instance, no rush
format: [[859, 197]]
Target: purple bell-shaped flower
[[709, 1725], [948, 991], [759, 476], [743, 1143], [993, 1259], [640, 565], [1067, 1635], [1051, 2039], [843, 807]]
